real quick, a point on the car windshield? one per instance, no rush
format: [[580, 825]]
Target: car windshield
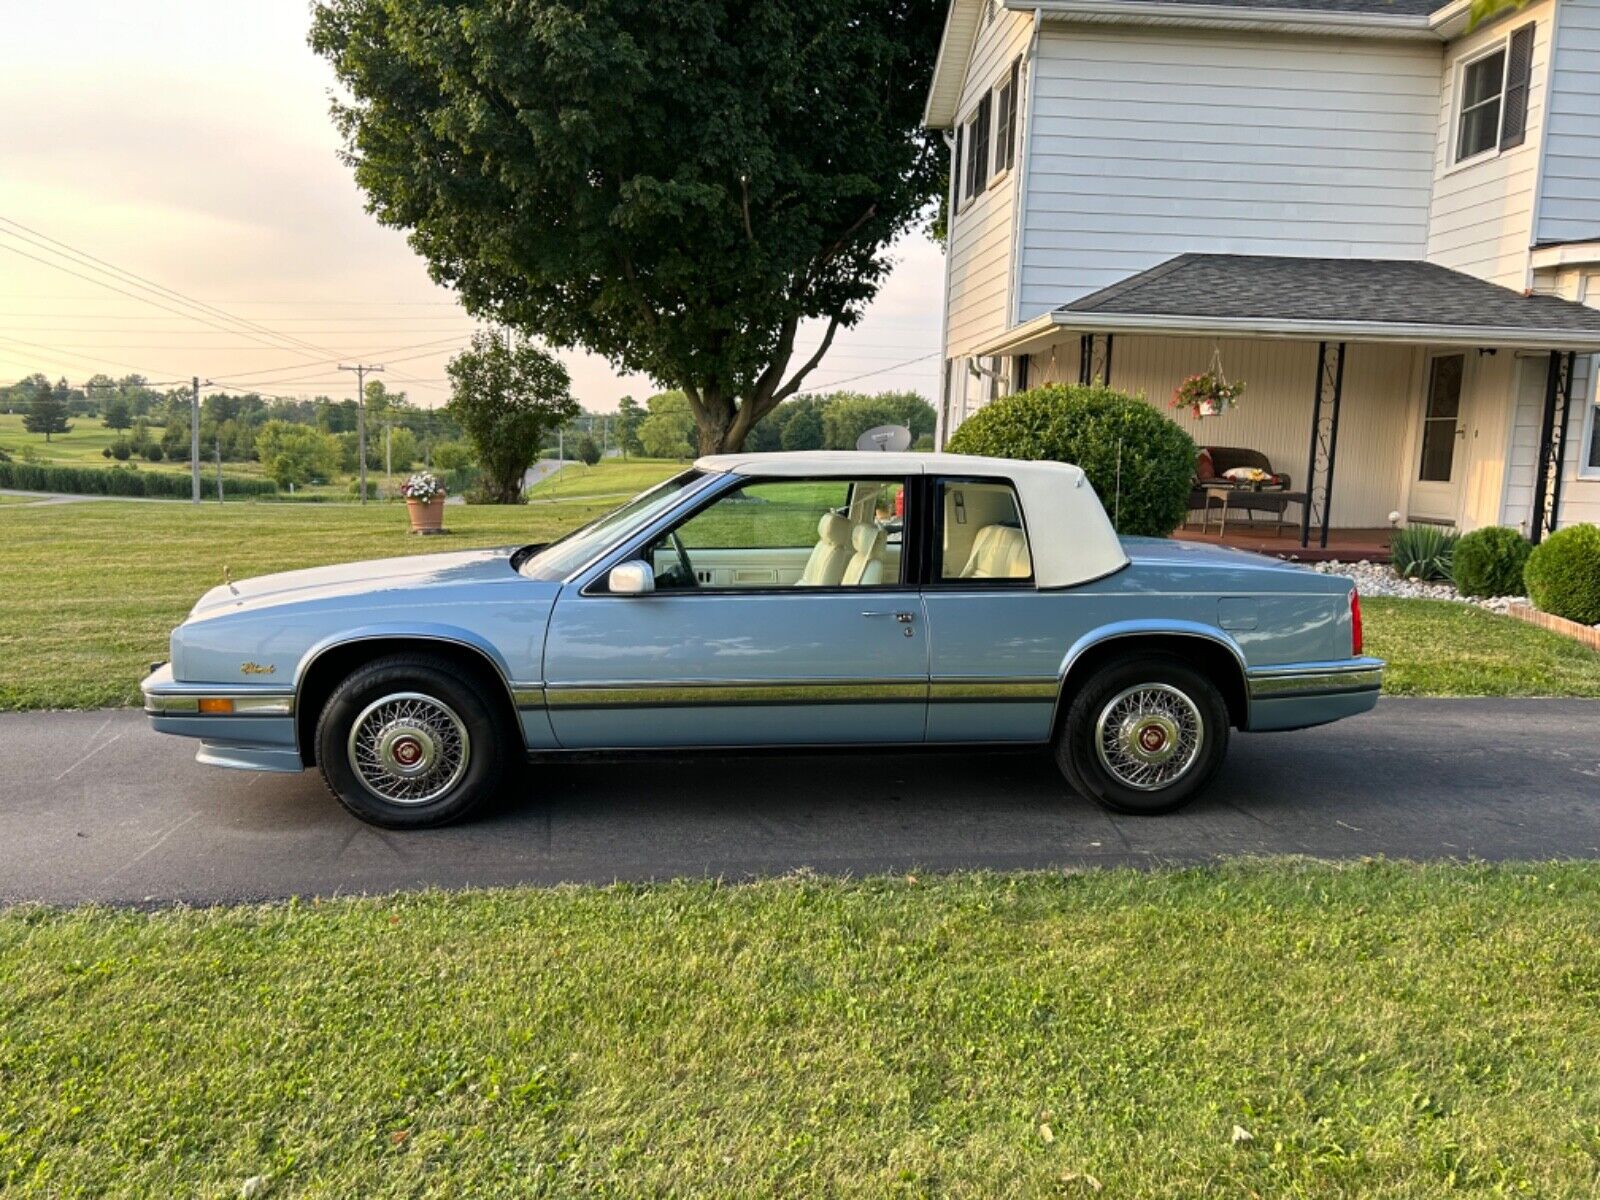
[[560, 558]]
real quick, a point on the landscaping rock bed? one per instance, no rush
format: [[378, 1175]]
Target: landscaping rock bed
[[1380, 579]]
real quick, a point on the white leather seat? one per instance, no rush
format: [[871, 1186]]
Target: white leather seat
[[866, 565], [831, 555], [998, 552]]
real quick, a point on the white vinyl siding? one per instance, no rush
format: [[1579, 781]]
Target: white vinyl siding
[[979, 248], [1481, 220], [1147, 143], [1569, 209]]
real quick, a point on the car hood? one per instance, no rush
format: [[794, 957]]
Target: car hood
[[367, 580]]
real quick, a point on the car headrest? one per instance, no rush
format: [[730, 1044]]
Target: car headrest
[[834, 529], [868, 540]]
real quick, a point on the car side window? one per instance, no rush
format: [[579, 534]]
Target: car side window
[[791, 533], [981, 535]]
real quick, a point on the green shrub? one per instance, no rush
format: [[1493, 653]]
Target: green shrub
[[152, 451], [1563, 574], [1140, 463], [1423, 552], [1489, 562], [120, 481], [121, 449]]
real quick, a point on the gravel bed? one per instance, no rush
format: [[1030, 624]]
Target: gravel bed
[[1380, 579]]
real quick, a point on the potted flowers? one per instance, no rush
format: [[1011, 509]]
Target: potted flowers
[[425, 502], [1208, 394]]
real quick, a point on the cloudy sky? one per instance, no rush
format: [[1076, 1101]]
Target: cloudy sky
[[187, 142]]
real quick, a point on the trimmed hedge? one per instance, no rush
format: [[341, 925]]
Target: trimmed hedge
[[114, 481], [1085, 426], [1489, 562], [1563, 574]]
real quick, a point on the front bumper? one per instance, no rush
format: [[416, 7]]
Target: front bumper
[[248, 726], [1303, 694]]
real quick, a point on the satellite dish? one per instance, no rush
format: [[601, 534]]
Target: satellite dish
[[892, 438]]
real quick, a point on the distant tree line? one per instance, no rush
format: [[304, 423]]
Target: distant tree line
[[664, 426]]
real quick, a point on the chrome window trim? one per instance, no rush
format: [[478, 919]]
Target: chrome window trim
[[704, 499]]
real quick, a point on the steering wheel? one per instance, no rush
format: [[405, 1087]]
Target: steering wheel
[[689, 579]]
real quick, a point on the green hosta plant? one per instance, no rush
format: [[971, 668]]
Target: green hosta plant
[[1423, 552]]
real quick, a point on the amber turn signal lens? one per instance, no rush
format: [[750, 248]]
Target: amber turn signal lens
[[216, 706]]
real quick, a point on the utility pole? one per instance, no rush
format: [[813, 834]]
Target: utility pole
[[388, 453], [362, 370], [194, 438], [219, 462]]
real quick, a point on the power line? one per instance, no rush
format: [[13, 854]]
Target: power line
[[867, 374], [73, 255]]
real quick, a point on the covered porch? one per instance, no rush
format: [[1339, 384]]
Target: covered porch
[[1379, 392]]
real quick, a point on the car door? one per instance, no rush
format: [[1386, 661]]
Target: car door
[[996, 641], [738, 647]]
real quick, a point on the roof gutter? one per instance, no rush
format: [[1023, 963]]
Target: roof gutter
[[1138, 12], [1044, 329]]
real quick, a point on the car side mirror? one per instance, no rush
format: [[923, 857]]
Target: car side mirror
[[633, 578]]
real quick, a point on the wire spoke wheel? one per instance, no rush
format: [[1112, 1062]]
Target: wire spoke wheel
[[409, 748], [1149, 736]]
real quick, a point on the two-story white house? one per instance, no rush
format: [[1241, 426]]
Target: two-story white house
[[1386, 225]]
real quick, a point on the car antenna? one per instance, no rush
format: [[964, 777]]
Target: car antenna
[[1116, 503]]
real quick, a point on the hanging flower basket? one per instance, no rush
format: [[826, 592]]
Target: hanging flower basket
[[1208, 394], [424, 502]]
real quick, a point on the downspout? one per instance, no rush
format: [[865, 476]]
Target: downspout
[[946, 376], [1019, 213]]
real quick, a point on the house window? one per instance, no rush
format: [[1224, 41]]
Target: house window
[[1493, 90], [1591, 460], [977, 130], [1482, 89]]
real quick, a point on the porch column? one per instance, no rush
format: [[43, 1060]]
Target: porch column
[[1324, 442], [1094, 359], [1552, 446]]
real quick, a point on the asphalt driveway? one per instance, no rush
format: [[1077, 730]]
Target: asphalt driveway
[[94, 807]]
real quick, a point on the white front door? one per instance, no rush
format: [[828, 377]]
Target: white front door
[[1440, 464]]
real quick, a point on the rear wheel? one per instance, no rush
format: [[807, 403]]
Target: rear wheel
[[1144, 735], [407, 742]]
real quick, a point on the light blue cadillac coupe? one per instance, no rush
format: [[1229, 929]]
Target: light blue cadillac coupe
[[814, 599]]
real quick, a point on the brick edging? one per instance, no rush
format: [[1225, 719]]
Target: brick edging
[[1584, 634]]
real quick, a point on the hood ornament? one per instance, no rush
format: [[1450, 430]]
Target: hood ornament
[[227, 578]]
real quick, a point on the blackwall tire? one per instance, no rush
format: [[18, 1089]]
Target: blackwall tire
[[1143, 735], [410, 742]]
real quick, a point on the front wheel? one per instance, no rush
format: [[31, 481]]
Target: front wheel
[[406, 742], [1144, 735]]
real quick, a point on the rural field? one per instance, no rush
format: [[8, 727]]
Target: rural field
[[1283, 1029]]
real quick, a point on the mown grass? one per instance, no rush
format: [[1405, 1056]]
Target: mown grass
[[610, 476], [92, 590], [1378, 1030], [80, 448], [1441, 648]]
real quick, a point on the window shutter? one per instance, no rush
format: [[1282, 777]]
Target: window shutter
[[982, 124], [1519, 73], [1011, 114], [955, 170]]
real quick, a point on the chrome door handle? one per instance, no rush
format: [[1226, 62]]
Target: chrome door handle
[[904, 618]]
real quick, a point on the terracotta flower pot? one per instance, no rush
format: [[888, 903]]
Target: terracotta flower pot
[[427, 516]]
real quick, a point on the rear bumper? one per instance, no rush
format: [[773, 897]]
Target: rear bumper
[[258, 734], [1302, 694]]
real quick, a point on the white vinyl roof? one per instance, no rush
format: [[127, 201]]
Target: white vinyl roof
[[1069, 534]]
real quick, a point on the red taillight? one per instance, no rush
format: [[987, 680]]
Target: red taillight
[[1355, 624]]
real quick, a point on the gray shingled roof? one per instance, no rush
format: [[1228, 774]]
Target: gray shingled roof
[[1383, 291], [1396, 8]]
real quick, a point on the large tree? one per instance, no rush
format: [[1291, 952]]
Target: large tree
[[673, 185], [505, 398], [47, 409]]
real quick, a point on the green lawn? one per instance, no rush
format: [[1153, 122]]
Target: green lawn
[[609, 477], [79, 448], [1440, 648], [91, 590], [1377, 1030]]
